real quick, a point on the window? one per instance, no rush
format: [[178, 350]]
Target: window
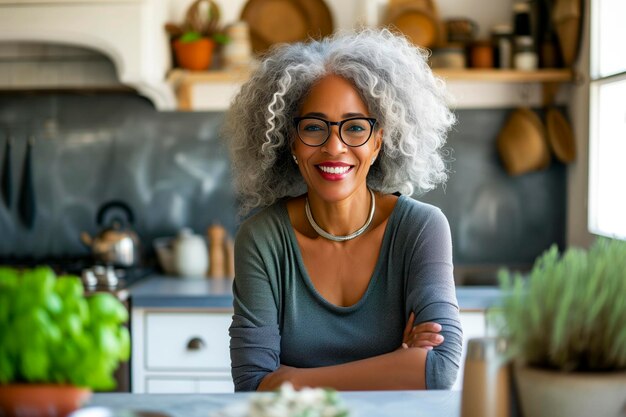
[[607, 123]]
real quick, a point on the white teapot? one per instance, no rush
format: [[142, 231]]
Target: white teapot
[[191, 259]]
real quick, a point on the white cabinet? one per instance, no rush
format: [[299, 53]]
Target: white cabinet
[[187, 351], [180, 351], [129, 33], [474, 325], [179, 385]]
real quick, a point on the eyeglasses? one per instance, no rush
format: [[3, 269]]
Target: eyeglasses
[[354, 132]]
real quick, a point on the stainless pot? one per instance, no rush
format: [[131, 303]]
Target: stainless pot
[[116, 244]]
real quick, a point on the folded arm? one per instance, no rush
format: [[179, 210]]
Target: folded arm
[[402, 369]]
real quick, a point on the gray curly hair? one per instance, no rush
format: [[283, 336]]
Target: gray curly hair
[[393, 79]]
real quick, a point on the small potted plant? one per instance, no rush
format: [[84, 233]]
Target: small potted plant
[[56, 344], [195, 42], [566, 328]]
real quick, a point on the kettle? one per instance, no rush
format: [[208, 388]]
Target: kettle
[[116, 244]]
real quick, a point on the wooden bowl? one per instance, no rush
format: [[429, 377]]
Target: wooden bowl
[[274, 21], [560, 136], [418, 21], [522, 143], [320, 19]]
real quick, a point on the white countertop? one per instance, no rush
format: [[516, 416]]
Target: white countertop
[[361, 404]]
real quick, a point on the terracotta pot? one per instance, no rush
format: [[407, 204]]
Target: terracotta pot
[[41, 400], [544, 393], [196, 55]]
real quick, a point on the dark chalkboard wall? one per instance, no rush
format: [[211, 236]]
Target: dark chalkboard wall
[[169, 167], [174, 172], [496, 218]]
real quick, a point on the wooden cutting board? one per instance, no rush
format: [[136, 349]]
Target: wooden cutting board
[[274, 21], [279, 21]]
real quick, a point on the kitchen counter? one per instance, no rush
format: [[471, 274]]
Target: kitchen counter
[[159, 291], [167, 312], [362, 404]]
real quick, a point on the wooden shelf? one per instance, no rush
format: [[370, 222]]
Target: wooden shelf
[[486, 75], [178, 76], [548, 75], [223, 85], [218, 87]]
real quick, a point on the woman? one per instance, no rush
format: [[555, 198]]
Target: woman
[[334, 272]]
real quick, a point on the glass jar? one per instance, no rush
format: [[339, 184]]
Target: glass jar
[[525, 58], [450, 56], [481, 54], [502, 37], [521, 19]]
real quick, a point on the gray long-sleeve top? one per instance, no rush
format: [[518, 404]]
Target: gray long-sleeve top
[[280, 318]]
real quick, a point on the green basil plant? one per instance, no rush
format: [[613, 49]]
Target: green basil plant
[[50, 332]]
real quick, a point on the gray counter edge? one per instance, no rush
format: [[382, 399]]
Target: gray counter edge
[[159, 291]]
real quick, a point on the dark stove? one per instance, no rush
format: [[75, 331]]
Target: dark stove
[[95, 277]]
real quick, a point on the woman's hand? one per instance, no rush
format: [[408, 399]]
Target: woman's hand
[[424, 335], [275, 379]]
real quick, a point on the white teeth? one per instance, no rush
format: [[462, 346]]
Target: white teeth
[[334, 170]]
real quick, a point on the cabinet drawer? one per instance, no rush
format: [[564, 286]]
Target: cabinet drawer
[[473, 324], [215, 386], [187, 341], [170, 386], [164, 385]]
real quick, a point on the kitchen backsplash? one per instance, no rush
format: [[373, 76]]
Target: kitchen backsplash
[[169, 167], [173, 170]]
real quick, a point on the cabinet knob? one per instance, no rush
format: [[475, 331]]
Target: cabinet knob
[[196, 344]]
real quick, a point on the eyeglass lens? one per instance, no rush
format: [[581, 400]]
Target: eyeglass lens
[[353, 132]]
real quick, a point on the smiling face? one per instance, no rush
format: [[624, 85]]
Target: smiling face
[[335, 171]]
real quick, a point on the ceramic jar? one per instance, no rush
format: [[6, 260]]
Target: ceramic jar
[[237, 53], [191, 258], [525, 58], [481, 54], [449, 56]]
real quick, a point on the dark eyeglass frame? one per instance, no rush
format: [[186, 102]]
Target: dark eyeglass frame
[[339, 124]]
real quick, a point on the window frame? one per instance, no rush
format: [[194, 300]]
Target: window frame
[[601, 79]]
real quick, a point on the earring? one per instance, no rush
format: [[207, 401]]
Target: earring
[[295, 159], [373, 160]]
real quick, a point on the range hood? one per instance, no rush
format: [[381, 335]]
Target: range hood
[[127, 35]]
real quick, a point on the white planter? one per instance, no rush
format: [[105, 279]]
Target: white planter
[[544, 393]]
